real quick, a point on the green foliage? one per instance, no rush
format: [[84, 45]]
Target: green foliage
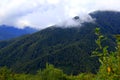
[[82, 76], [109, 69], [51, 73], [6, 74], [66, 48], [100, 51]]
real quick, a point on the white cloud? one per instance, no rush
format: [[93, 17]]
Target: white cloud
[[41, 13]]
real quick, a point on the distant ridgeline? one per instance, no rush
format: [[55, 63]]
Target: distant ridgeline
[[9, 32], [66, 48]]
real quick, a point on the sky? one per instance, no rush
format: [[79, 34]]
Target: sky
[[40, 14]]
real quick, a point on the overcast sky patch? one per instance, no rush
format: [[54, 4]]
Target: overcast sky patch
[[43, 13]]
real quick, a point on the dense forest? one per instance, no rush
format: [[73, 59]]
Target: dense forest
[[68, 49], [108, 70]]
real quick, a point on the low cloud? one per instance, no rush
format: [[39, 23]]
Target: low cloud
[[76, 21], [42, 13]]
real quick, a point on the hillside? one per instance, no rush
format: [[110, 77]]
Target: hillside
[[66, 48], [9, 32]]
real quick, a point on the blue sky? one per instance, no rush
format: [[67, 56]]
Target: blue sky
[[43, 13]]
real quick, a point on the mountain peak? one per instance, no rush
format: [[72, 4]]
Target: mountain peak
[[76, 18]]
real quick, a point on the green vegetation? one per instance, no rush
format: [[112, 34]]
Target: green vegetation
[[66, 48], [109, 68], [49, 73]]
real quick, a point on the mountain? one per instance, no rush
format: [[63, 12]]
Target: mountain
[[9, 32], [66, 48], [109, 20]]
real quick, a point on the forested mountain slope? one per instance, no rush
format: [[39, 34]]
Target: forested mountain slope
[[66, 48]]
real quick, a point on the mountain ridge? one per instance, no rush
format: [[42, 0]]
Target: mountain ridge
[[67, 48], [9, 32]]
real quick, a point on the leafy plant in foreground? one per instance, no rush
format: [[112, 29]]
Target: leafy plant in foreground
[[109, 69]]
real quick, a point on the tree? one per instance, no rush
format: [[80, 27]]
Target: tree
[[6, 74], [51, 73], [110, 61]]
